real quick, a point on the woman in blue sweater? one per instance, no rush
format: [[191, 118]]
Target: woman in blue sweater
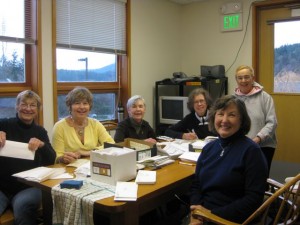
[[231, 172]]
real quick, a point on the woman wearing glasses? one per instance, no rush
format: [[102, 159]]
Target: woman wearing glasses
[[194, 125], [23, 199], [260, 107]]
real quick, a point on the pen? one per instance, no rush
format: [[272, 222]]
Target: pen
[[193, 131], [188, 164]]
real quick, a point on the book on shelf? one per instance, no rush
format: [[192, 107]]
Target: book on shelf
[[146, 177]]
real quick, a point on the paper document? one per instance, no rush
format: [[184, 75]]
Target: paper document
[[79, 162], [146, 177], [16, 149], [190, 156], [40, 174], [126, 191], [84, 170]]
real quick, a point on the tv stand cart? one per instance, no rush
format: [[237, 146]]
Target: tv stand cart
[[182, 87]]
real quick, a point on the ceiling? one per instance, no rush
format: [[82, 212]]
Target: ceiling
[[185, 1]]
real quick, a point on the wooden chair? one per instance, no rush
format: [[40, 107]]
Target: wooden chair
[[281, 206], [109, 125], [7, 218]]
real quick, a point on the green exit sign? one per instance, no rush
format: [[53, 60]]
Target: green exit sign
[[231, 22]]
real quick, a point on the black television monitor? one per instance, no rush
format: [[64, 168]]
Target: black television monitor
[[172, 109]]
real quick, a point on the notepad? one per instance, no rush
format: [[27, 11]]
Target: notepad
[[126, 191], [146, 177]]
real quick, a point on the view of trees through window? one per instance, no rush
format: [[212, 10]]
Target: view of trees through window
[[287, 57], [12, 51], [12, 63], [86, 67]]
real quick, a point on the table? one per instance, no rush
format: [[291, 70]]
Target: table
[[171, 179]]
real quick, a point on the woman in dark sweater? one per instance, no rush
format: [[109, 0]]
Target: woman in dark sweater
[[23, 199], [195, 124], [135, 126], [231, 172]]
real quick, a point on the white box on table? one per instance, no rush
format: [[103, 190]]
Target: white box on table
[[113, 164]]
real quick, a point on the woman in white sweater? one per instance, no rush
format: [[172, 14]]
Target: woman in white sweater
[[261, 109]]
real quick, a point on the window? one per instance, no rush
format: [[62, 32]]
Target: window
[[287, 57], [18, 51], [91, 52]]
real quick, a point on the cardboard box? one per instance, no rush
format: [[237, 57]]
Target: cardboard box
[[113, 164], [143, 148]]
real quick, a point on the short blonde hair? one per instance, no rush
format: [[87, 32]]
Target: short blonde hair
[[245, 67]]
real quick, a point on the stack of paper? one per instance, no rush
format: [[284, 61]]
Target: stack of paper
[[146, 177], [173, 149], [126, 191], [190, 156], [156, 161], [40, 174]]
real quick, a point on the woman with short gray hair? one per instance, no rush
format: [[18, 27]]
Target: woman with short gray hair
[[135, 126]]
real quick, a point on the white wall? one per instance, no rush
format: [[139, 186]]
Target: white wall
[[156, 51], [168, 37], [203, 42]]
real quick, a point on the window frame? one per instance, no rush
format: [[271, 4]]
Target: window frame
[[121, 87], [32, 57]]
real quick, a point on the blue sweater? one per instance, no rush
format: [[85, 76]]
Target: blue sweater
[[232, 185]]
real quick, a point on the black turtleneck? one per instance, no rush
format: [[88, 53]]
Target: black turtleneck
[[129, 129], [190, 123], [18, 131]]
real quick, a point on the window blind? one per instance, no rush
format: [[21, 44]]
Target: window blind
[[13, 28], [92, 25]]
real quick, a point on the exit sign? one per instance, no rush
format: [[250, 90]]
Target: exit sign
[[231, 22]]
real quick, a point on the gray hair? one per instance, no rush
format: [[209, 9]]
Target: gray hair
[[134, 99], [28, 94]]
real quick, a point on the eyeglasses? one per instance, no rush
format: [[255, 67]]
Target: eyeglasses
[[200, 102], [30, 106], [246, 77]]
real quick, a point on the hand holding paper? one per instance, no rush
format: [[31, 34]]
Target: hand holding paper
[[16, 149]]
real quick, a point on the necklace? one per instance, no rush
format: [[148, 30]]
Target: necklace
[[223, 149], [79, 128]]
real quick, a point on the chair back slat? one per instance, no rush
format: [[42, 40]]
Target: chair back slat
[[288, 209]]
